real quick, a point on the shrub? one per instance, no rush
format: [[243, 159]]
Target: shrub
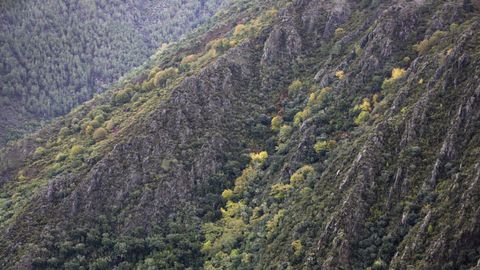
[[324, 146], [362, 117], [109, 125], [379, 264], [302, 116], [220, 44], [425, 45], [162, 76], [301, 174], [189, 59], [39, 151], [121, 97], [366, 106], [21, 176], [100, 118], [240, 30], [297, 248], [147, 85], [340, 32], [89, 129], [248, 175], [275, 221], [276, 123], [210, 54], [95, 123], [64, 131], [285, 132], [279, 191], [319, 97], [76, 150], [167, 164], [397, 73], [295, 86], [227, 194], [340, 74], [358, 49], [60, 157], [282, 148], [259, 158], [153, 72], [99, 134]]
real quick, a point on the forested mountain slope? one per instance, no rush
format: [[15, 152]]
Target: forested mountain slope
[[56, 54], [307, 134]]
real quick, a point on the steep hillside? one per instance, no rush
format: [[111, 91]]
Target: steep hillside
[[57, 54], [311, 134]]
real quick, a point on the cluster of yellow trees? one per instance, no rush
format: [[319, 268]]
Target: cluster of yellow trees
[[223, 236]]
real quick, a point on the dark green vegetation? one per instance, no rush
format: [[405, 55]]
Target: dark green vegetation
[[56, 54], [285, 135]]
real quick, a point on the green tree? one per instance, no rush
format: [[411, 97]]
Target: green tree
[[100, 134]]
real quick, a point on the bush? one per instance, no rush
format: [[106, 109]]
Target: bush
[[319, 97], [248, 175], [302, 116], [240, 30], [95, 123], [99, 134], [324, 146], [189, 59], [167, 164], [340, 32], [227, 194], [362, 117], [279, 191], [220, 44], [295, 86], [276, 123], [121, 97], [89, 129], [39, 151], [275, 221], [397, 73], [109, 125], [340, 74], [259, 158], [285, 132], [366, 106], [60, 157], [425, 45], [210, 54], [100, 118], [162, 76], [64, 131], [379, 264], [76, 150], [297, 248], [301, 174]]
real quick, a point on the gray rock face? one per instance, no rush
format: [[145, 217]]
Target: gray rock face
[[284, 43]]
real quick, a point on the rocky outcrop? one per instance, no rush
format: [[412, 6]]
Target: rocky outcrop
[[160, 165], [284, 42]]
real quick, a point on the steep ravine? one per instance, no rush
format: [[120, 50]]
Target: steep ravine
[[369, 116]]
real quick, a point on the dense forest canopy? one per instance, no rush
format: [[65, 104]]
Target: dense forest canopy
[[55, 54]]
